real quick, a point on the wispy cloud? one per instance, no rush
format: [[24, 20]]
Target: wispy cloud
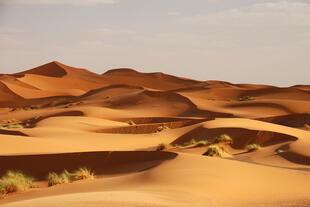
[[174, 13], [59, 2], [281, 13], [9, 30]]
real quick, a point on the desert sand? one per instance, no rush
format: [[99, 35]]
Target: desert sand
[[109, 123]]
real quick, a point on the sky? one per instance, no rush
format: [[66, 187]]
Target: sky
[[240, 41]]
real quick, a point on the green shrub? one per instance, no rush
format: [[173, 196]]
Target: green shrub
[[191, 142], [14, 181], [161, 128], [201, 143], [82, 173], [214, 150], [252, 147], [246, 98], [130, 122], [224, 138], [12, 126], [67, 177], [162, 146], [307, 126], [55, 179]]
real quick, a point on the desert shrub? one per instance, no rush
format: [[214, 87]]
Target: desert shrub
[[55, 179], [161, 128], [224, 138], [162, 146], [130, 122], [214, 150], [31, 107], [252, 147], [13, 182], [246, 98], [307, 126], [82, 173], [12, 126], [280, 150], [191, 142], [11, 121], [201, 143]]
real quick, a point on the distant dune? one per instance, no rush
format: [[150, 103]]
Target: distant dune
[[57, 117]]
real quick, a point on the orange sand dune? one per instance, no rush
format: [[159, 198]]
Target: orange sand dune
[[158, 81], [56, 117]]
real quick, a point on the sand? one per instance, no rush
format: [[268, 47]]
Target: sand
[[73, 118]]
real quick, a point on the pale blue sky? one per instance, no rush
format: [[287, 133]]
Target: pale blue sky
[[241, 41]]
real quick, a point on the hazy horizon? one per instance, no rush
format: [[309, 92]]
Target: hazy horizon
[[241, 41]]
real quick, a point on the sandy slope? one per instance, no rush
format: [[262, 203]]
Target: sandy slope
[[74, 117]]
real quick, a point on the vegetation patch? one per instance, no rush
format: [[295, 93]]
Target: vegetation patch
[[246, 98], [224, 138], [214, 151], [307, 126], [55, 179], [252, 147], [12, 126], [163, 146], [82, 173], [67, 177], [202, 143], [13, 182], [131, 123], [161, 128], [191, 142]]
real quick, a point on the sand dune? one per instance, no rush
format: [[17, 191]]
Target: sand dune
[[56, 117]]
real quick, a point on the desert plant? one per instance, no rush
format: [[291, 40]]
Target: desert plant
[[307, 126], [161, 128], [214, 150], [82, 173], [31, 107], [252, 147], [246, 98], [201, 143], [191, 142], [12, 126], [224, 138], [130, 122], [14, 181], [162, 146], [55, 179]]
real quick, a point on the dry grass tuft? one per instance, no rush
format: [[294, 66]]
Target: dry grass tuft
[[55, 179], [14, 181], [131, 123], [82, 173], [161, 128], [163, 146], [252, 147], [201, 143], [214, 150], [224, 138], [246, 98]]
